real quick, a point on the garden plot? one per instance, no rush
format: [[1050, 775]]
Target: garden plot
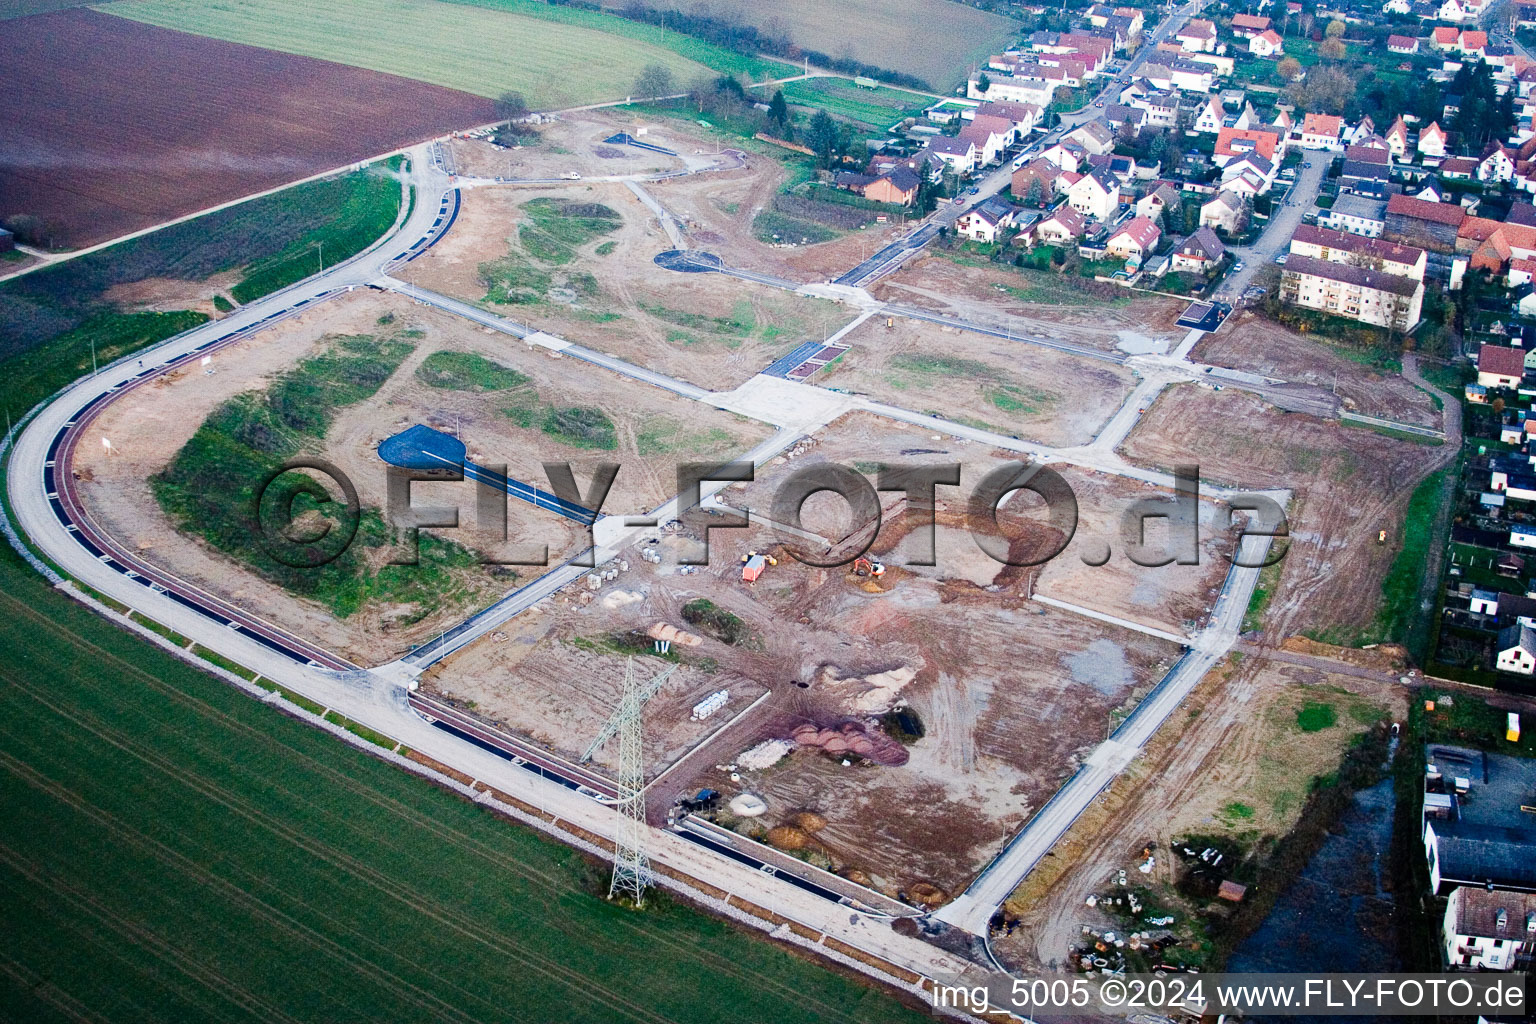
[[997, 385]]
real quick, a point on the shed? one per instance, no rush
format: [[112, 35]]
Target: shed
[[752, 568], [1232, 891]]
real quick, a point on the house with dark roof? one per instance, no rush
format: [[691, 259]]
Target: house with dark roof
[[1198, 253], [1476, 828], [1500, 366], [1353, 292]]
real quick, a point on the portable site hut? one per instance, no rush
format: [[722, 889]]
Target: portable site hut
[[752, 568]]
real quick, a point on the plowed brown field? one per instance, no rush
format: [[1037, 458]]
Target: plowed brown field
[[110, 126]]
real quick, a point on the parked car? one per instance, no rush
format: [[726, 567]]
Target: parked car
[[1280, 260]]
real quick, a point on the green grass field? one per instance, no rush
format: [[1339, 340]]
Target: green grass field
[[174, 850], [935, 40], [552, 55], [875, 108]]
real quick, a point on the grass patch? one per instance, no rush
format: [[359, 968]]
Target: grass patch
[[209, 489], [1263, 594], [467, 371], [556, 228], [514, 280], [222, 304], [36, 373], [663, 435], [772, 226], [215, 658], [581, 426], [724, 626], [155, 627], [364, 209], [606, 248], [1316, 716]]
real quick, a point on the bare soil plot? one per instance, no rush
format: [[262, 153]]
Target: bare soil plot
[[195, 121], [1170, 598], [606, 292], [1235, 763], [1010, 696], [1005, 387], [1347, 484], [1256, 345], [719, 210], [1002, 296], [575, 143]]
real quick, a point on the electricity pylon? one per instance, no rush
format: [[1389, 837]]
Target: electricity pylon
[[631, 866]]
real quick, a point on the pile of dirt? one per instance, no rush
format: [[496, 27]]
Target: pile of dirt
[[1382, 657], [853, 739], [810, 821], [868, 695], [927, 894], [788, 837]]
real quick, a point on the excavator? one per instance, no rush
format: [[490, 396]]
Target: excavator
[[868, 567]]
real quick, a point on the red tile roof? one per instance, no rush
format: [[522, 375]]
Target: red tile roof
[[1502, 360], [1264, 142], [1423, 209]]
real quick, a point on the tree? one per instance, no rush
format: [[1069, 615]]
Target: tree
[[821, 136], [654, 82], [983, 83], [1036, 194], [1335, 29], [1288, 68], [27, 228], [778, 110], [511, 106], [1332, 49]]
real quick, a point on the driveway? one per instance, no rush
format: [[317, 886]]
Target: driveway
[[1283, 222]]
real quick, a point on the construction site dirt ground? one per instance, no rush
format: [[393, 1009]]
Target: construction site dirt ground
[[712, 330], [151, 425], [575, 144], [1234, 761], [1347, 484], [1006, 387], [1132, 321], [1171, 598], [1251, 343]]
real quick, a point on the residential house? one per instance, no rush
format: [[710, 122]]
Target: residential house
[[1321, 131], [1235, 142], [986, 221], [1095, 195], [1407, 45], [1432, 141], [1211, 119], [1358, 250], [1197, 36], [1267, 44], [959, 154], [1489, 931], [1039, 171], [1246, 26], [1495, 164], [1064, 226], [1199, 253], [1163, 197], [1160, 109], [1093, 136], [1431, 226], [1354, 292], [1476, 831], [1249, 174], [1135, 240], [1444, 38], [1397, 138], [1358, 215], [1499, 366], [898, 187], [1458, 168], [1225, 211]]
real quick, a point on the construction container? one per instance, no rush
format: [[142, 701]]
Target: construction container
[[1512, 728]]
